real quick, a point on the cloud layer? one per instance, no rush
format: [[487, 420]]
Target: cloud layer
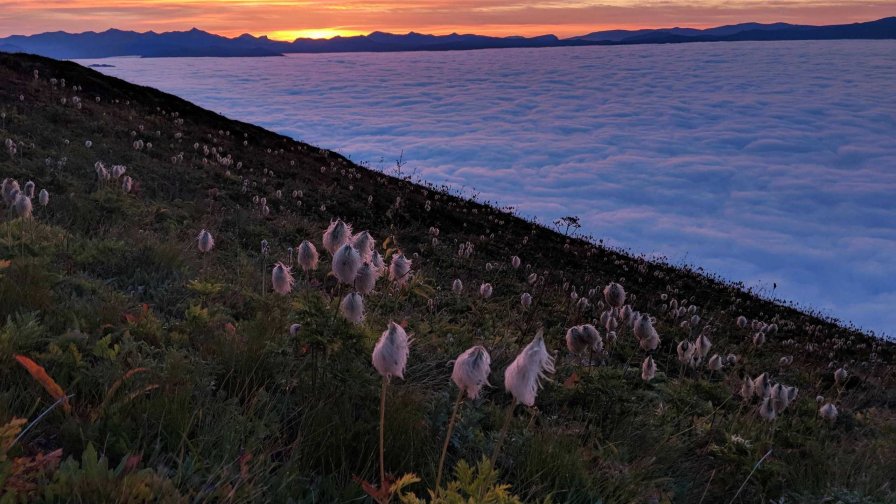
[[763, 162]]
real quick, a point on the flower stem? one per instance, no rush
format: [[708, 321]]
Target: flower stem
[[382, 429], [508, 416], [457, 403]]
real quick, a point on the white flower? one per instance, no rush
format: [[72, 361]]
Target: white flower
[[648, 369], [399, 269], [828, 412], [307, 256], [471, 370], [346, 263], [767, 409], [840, 376], [23, 206], [646, 334], [366, 279], [715, 363], [703, 345], [523, 376], [206, 241], [685, 352], [281, 279], [390, 355], [364, 244], [352, 308], [337, 235], [485, 290], [614, 294], [761, 386]]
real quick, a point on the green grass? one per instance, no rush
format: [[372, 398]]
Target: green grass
[[188, 387]]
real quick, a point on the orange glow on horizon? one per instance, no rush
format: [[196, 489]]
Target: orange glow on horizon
[[290, 19]]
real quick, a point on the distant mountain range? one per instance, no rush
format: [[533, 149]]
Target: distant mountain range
[[62, 45]]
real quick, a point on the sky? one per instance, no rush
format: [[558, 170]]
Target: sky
[[767, 163], [286, 20]]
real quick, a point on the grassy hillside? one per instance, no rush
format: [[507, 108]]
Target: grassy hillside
[[173, 375]]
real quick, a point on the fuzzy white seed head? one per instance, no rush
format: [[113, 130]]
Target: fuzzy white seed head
[[23, 206], [390, 355], [646, 334], [761, 386], [515, 262], [352, 308], [648, 369], [400, 269], [307, 256], [523, 376], [828, 412], [206, 241], [43, 197], [703, 345], [337, 235], [281, 279], [614, 294], [840, 376], [526, 300], [471, 370], [29, 189], [742, 322], [685, 351], [294, 329], [457, 286], [715, 363], [346, 263], [366, 279], [485, 290], [364, 244], [746, 388], [767, 409]]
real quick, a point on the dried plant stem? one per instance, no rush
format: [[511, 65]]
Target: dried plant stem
[[457, 403]]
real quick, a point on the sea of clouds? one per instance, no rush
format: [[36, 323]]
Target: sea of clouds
[[764, 162]]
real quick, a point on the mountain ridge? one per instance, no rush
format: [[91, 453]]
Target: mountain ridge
[[198, 43]]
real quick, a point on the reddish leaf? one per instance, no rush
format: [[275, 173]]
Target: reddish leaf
[[572, 381], [40, 374]]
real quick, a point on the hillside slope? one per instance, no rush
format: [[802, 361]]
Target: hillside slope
[[181, 376]]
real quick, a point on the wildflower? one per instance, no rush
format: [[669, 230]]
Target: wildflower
[[307, 256], [206, 241], [761, 386], [526, 300], [703, 345], [352, 308], [746, 388], [471, 370], [840, 376], [515, 262], [364, 244], [457, 286], [685, 352], [346, 263], [828, 411], [43, 197], [742, 322], [523, 376], [767, 409], [390, 355], [759, 339], [294, 329], [646, 334], [648, 369], [281, 279], [785, 361], [337, 235], [715, 363], [29, 189], [23, 206], [399, 269], [366, 279], [614, 294], [485, 290]]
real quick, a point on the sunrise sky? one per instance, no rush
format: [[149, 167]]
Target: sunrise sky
[[287, 20]]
